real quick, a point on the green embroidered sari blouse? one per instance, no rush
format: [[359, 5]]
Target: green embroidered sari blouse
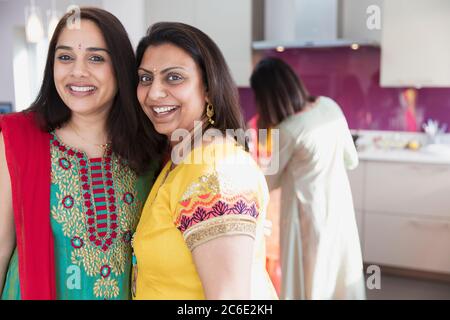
[[95, 207]]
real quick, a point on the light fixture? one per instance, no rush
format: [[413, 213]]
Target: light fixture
[[280, 49], [34, 29], [355, 46], [53, 19]]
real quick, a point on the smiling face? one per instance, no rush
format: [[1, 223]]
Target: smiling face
[[83, 72], [171, 90]]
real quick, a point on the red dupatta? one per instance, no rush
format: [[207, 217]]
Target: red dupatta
[[27, 150]]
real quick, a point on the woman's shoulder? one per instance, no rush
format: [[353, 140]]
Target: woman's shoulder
[[329, 103], [228, 194], [224, 166], [18, 119], [231, 160], [22, 128], [210, 155], [18, 116], [320, 109]]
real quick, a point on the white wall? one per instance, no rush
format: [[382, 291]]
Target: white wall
[[12, 15], [132, 15], [228, 23]]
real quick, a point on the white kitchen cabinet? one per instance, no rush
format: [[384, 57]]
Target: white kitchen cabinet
[[407, 242], [408, 189], [415, 43], [228, 23], [403, 214]]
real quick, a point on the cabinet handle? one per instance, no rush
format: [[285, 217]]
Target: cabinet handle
[[419, 223]]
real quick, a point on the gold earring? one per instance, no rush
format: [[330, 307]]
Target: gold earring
[[210, 112]]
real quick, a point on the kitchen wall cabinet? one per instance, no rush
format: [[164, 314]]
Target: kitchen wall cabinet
[[403, 213], [415, 43], [228, 23]]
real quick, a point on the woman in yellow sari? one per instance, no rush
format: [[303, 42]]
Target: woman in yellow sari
[[201, 233]]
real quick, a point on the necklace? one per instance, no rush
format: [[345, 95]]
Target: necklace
[[103, 146]]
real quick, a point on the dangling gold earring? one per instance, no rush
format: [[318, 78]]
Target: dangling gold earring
[[210, 112]]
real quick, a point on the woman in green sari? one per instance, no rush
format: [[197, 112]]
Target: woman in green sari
[[75, 169]]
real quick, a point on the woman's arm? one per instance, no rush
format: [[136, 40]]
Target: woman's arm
[[224, 266], [283, 148], [7, 232], [351, 159]]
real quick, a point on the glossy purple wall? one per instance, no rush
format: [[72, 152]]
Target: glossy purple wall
[[351, 78]]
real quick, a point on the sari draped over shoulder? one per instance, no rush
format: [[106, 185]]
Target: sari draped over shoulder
[[27, 150]]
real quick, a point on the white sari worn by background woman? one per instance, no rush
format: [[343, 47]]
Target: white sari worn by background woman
[[319, 242]]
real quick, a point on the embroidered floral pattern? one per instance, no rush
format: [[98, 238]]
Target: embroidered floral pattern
[[128, 198], [106, 288], [65, 164], [127, 236], [68, 202], [77, 242], [95, 237], [212, 197], [101, 239], [105, 271], [220, 208], [218, 226]]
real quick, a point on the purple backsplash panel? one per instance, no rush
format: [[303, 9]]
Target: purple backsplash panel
[[351, 78]]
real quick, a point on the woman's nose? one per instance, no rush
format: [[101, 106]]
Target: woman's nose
[[157, 91], [80, 69]]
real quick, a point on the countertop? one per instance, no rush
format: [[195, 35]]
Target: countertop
[[388, 146], [403, 155]]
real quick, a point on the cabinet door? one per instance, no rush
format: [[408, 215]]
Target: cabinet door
[[415, 43], [413, 243], [408, 189]]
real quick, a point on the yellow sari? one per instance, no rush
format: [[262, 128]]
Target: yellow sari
[[223, 194]]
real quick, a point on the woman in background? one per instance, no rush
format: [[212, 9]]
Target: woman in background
[[70, 193], [319, 243], [201, 234]]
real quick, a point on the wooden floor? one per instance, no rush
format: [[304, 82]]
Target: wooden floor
[[405, 288]]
